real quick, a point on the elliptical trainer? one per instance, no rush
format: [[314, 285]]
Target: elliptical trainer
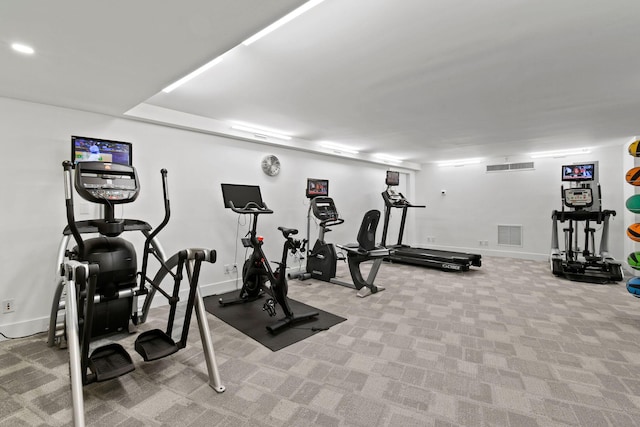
[[574, 263], [98, 277]]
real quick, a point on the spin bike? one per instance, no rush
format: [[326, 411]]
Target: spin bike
[[257, 271]]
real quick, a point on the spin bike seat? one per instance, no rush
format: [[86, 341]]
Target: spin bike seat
[[286, 232]]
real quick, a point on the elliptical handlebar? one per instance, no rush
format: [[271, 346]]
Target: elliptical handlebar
[[152, 235], [68, 195]]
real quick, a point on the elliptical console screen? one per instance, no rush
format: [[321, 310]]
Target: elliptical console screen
[[579, 172], [393, 178], [85, 149], [317, 187]]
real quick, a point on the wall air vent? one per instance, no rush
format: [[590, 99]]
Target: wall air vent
[[507, 167], [510, 235]]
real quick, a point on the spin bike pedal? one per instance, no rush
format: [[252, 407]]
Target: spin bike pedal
[[270, 307]]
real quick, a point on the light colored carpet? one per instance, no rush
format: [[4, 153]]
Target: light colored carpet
[[507, 344]]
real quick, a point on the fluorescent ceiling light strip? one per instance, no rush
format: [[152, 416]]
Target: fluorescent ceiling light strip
[[560, 153], [387, 158], [280, 22], [195, 73], [260, 132], [22, 48], [461, 162], [338, 147]]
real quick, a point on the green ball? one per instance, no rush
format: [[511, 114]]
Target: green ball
[[634, 260], [633, 203]]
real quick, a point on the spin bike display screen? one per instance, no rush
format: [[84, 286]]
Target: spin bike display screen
[[241, 195], [317, 187], [85, 149], [393, 178], [579, 172]]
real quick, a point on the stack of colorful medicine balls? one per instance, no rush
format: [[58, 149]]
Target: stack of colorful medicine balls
[[633, 231]]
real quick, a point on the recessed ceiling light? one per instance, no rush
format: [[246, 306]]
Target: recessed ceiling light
[[22, 48], [460, 162], [339, 148], [560, 153], [387, 158], [260, 133], [193, 74]]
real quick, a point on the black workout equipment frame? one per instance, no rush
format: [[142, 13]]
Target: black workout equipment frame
[[405, 254], [584, 265], [100, 283], [322, 259], [366, 250], [256, 270]]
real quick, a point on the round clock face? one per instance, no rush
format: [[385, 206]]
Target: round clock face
[[271, 165]]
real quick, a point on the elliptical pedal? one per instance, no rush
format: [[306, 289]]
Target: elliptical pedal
[[154, 345], [110, 361]]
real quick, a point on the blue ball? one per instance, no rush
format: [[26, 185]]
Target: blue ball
[[633, 286]]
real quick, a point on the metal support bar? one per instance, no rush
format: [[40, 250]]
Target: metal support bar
[[73, 342]]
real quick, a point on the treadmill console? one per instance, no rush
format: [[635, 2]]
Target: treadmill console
[[578, 198], [393, 199], [106, 183]]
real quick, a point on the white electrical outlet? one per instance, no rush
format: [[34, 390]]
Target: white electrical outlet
[[230, 268]]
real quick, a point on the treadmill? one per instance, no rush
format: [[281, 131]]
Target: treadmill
[[405, 254]]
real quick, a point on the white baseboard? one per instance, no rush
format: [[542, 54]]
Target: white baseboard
[[23, 328]]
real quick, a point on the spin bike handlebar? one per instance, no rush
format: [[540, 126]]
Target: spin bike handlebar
[[251, 208]]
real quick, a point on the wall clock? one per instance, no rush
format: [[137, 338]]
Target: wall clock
[[271, 165]]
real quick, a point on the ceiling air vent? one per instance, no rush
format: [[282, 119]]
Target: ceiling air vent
[[506, 167]]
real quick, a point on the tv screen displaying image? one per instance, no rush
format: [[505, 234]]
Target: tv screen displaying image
[[393, 178], [317, 187], [579, 172], [85, 149]]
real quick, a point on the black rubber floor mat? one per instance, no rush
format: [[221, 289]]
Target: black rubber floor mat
[[251, 320]]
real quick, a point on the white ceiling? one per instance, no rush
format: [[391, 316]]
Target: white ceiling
[[421, 80]]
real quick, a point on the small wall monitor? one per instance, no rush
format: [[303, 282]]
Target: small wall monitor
[[393, 178], [579, 172], [317, 187], [84, 149]]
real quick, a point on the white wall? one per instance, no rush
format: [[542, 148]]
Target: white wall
[[36, 139], [477, 201]]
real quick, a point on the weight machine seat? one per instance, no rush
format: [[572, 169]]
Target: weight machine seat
[[366, 250]]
